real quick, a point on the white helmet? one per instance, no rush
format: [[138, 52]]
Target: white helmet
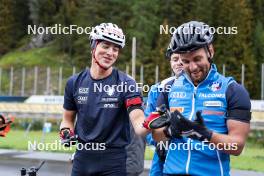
[[109, 32]]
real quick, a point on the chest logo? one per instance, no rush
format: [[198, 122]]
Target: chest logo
[[83, 90], [82, 99], [110, 91], [215, 86]]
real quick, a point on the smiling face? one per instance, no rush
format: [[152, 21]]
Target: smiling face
[[106, 53], [196, 64], [176, 64]]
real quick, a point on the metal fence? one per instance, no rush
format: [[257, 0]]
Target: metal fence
[[34, 81], [51, 81]]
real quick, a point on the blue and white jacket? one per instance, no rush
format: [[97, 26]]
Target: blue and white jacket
[[214, 96]]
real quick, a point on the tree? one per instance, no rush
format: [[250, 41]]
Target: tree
[[236, 49], [7, 21]]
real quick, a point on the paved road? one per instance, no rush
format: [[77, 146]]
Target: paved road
[[56, 164], [10, 167]]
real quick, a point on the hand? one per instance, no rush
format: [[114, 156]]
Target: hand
[[152, 117], [197, 129], [67, 137], [5, 124], [180, 126], [157, 119]]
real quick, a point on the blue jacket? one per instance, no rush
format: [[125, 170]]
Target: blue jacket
[[186, 156]]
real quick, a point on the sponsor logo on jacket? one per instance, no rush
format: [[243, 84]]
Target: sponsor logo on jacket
[[211, 95], [178, 94], [83, 90]]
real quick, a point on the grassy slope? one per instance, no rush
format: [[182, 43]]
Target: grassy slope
[[47, 56]]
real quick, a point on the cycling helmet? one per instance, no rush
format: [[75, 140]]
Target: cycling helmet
[[190, 37], [109, 32]]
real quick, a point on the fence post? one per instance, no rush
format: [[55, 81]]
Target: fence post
[[223, 70], [48, 81], [73, 70], [157, 74], [60, 80], [243, 75], [142, 75], [127, 69], [23, 81], [11, 81], [262, 81], [134, 57], [1, 81], [35, 80]]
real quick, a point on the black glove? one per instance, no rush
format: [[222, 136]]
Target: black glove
[[67, 137], [197, 130], [174, 125], [180, 126]]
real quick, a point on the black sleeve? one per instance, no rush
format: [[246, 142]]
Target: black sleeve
[[133, 95], [164, 94], [238, 103], [69, 103]]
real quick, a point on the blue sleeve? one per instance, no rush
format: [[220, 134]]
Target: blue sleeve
[[69, 103], [150, 140], [156, 166], [152, 100], [151, 106], [238, 103]]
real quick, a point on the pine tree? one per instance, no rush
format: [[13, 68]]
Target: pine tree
[[146, 32], [258, 38], [7, 21], [236, 49]]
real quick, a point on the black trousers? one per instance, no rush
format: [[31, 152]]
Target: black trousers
[[100, 163]]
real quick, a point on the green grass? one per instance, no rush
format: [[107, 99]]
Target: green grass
[[252, 157], [20, 141], [46, 56], [149, 152]]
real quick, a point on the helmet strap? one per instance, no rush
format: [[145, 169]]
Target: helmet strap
[[209, 55]]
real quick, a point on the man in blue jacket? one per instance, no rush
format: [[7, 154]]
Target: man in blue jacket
[[160, 154], [212, 112]]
